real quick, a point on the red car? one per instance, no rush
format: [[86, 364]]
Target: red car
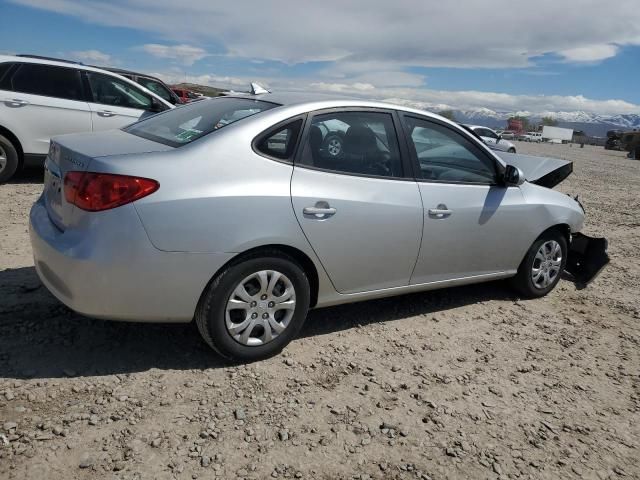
[[186, 95]]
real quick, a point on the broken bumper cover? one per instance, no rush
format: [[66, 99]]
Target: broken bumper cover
[[587, 257]]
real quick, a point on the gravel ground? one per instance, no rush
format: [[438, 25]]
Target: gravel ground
[[460, 383]]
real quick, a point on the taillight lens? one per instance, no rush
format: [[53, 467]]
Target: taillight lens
[[101, 191]]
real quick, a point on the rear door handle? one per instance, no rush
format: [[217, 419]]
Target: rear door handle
[[16, 102], [327, 212], [319, 211], [440, 212], [106, 113]]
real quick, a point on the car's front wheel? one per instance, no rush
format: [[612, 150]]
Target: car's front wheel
[[255, 307], [543, 265], [512, 150]]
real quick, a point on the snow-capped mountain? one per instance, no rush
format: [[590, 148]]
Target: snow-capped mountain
[[590, 123]]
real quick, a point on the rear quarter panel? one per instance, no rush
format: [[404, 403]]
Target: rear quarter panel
[[215, 195]]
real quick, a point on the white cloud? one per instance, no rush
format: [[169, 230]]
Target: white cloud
[[92, 56], [465, 33], [591, 53], [342, 87], [222, 81], [372, 49], [185, 54], [437, 100]]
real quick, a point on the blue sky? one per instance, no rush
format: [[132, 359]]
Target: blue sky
[[580, 56]]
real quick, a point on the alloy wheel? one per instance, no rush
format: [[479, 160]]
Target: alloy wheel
[[260, 308], [3, 159], [334, 147], [546, 264]]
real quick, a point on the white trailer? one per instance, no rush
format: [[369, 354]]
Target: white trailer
[[557, 134]]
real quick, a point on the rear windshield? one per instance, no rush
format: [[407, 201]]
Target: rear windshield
[[183, 125]]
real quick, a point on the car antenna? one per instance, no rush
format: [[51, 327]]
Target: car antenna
[[257, 89]]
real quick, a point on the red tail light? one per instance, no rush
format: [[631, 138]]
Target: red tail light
[[101, 191]]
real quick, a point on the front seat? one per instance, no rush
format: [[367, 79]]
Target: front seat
[[361, 148]]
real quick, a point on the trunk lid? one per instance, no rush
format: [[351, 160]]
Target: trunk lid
[[545, 171], [75, 153]]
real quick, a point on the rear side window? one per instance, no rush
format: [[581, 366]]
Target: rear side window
[[280, 142], [359, 143], [49, 81], [183, 125]]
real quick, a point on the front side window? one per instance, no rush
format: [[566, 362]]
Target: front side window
[[48, 81], [360, 143], [4, 68], [281, 142], [181, 126], [108, 90], [445, 155]]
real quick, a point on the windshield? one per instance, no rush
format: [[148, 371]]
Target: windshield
[[157, 88], [185, 124]]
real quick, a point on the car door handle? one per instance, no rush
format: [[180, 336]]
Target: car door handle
[[319, 212], [106, 113], [441, 212], [16, 102]]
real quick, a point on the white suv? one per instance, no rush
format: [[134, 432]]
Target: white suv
[[493, 140], [41, 98]]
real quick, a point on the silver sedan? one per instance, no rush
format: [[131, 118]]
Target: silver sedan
[[242, 213]]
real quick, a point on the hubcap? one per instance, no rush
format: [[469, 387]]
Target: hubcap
[[546, 264], [260, 308], [3, 159], [334, 147]]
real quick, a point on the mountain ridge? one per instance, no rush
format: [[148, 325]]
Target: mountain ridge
[[591, 123]]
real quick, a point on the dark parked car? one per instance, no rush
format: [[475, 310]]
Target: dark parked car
[[614, 140], [154, 84]]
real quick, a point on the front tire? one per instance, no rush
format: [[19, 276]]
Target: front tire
[[512, 150], [542, 266], [9, 160], [254, 307]]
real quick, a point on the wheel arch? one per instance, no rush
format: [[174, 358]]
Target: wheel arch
[[294, 253], [5, 132], [562, 228]]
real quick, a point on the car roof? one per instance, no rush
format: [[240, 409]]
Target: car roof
[[50, 61], [318, 101], [122, 71], [476, 126]]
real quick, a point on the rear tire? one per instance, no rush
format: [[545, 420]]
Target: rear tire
[[9, 160], [542, 266], [236, 298]]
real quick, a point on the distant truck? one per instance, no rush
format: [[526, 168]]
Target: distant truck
[[557, 134]]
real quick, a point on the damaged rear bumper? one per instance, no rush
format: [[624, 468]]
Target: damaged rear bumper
[[587, 257]]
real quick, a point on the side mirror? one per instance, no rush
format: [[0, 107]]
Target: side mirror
[[499, 138], [156, 106], [513, 176]]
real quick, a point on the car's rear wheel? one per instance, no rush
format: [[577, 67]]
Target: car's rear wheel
[[9, 160], [512, 150], [543, 265], [254, 307]]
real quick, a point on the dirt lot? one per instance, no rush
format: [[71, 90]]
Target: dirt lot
[[460, 383]]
